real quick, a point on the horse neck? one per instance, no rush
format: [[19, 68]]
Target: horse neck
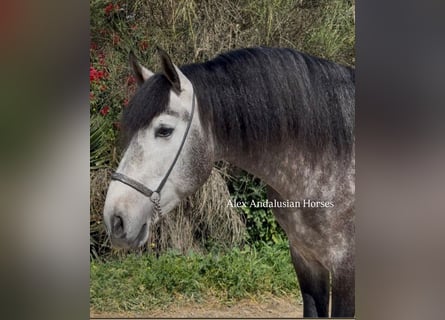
[[280, 163], [269, 164], [287, 170]]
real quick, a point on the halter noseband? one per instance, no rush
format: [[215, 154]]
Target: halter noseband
[[155, 196]]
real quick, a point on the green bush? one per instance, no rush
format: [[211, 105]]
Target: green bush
[[261, 225]]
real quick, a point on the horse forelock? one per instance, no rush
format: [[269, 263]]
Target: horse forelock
[[150, 100]]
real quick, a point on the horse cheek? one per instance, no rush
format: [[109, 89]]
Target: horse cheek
[[200, 163]]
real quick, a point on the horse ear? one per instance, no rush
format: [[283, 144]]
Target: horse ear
[[140, 72], [170, 70]]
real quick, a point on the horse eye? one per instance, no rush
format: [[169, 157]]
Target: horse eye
[[163, 132]]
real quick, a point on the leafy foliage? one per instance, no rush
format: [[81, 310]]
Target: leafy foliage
[[261, 225]]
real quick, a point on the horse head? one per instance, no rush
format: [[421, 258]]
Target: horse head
[[167, 157]]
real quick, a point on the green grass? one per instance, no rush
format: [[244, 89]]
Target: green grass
[[332, 35], [139, 283]]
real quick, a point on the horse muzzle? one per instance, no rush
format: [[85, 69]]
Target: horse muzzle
[[120, 236]]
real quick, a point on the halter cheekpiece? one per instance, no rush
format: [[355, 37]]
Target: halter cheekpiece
[[155, 195]]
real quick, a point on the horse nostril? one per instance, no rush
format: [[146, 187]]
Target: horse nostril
[[117, 226]]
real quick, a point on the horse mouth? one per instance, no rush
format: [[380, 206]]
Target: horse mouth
[[139, 241], [125, 243]]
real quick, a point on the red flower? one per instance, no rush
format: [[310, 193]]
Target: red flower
[[93, 45], [96, 75], [125, 102], [109, 9], [104, 111]]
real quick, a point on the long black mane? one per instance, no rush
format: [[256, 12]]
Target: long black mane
[[257, 97]]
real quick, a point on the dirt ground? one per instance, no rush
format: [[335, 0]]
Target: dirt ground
[[271, 307]]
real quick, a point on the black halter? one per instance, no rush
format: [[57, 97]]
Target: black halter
[[155, 196]]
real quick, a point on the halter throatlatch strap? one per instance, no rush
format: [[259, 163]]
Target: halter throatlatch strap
[[155, 196]]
